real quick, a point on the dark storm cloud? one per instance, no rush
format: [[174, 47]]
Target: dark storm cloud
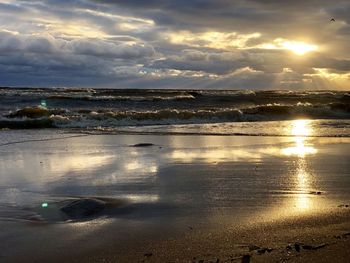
[[216, 63], [341, 12], [165, 43], [90, 47], [259, 60], [51, 60], [220, 11], [111, 50], [193, 14]]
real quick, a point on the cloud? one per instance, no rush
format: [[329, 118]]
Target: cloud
[[55, 60], [165, 43], [12, 8], [9, 42], [107, 49], [90, 47], [210, 62]]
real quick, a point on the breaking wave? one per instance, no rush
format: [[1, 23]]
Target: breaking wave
[[89, 108], [40, 117]]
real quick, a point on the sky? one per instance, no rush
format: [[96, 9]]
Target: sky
[[195, 44]]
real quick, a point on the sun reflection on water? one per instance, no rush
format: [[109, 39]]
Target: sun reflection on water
[[213, 155], [301, 129], [303, 200]]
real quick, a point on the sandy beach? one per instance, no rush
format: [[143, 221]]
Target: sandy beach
[[175, 199], [197, 131]]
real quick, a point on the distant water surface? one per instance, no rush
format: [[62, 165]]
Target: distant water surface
[[112, 109]]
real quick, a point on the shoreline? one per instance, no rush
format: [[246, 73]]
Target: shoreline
[[187, 198]]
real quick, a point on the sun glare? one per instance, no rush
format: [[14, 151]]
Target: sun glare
[[299, 48], [300, 129]]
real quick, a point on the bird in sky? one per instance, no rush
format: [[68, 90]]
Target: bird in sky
[[332, 20]]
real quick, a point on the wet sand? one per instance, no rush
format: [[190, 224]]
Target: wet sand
[[325, 238], [181, 199]]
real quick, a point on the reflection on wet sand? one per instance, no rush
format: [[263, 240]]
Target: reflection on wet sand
[[302, 177], [300, 129], [139, 165], [63, 164], [212, 155], [214, 174]]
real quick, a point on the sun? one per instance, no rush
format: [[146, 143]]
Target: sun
[[299, 48]]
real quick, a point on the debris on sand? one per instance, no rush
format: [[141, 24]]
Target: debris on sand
[[342, 236], [253, 247], [299, 246], [313, 247], [142, 145], [81, 208], [246, 259], [260, 250], [264, 249], [315, 192]]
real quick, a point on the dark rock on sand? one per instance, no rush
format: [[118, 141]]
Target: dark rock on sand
[[259, 250], [315, 192], [253, 247], [345, 235], [264, 249], [299, 246], [246, 259], [81, 208], [142, 145], [313, 247], [212, 260]]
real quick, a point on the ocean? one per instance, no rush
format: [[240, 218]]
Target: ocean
[[222, 112], [210, 161]]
